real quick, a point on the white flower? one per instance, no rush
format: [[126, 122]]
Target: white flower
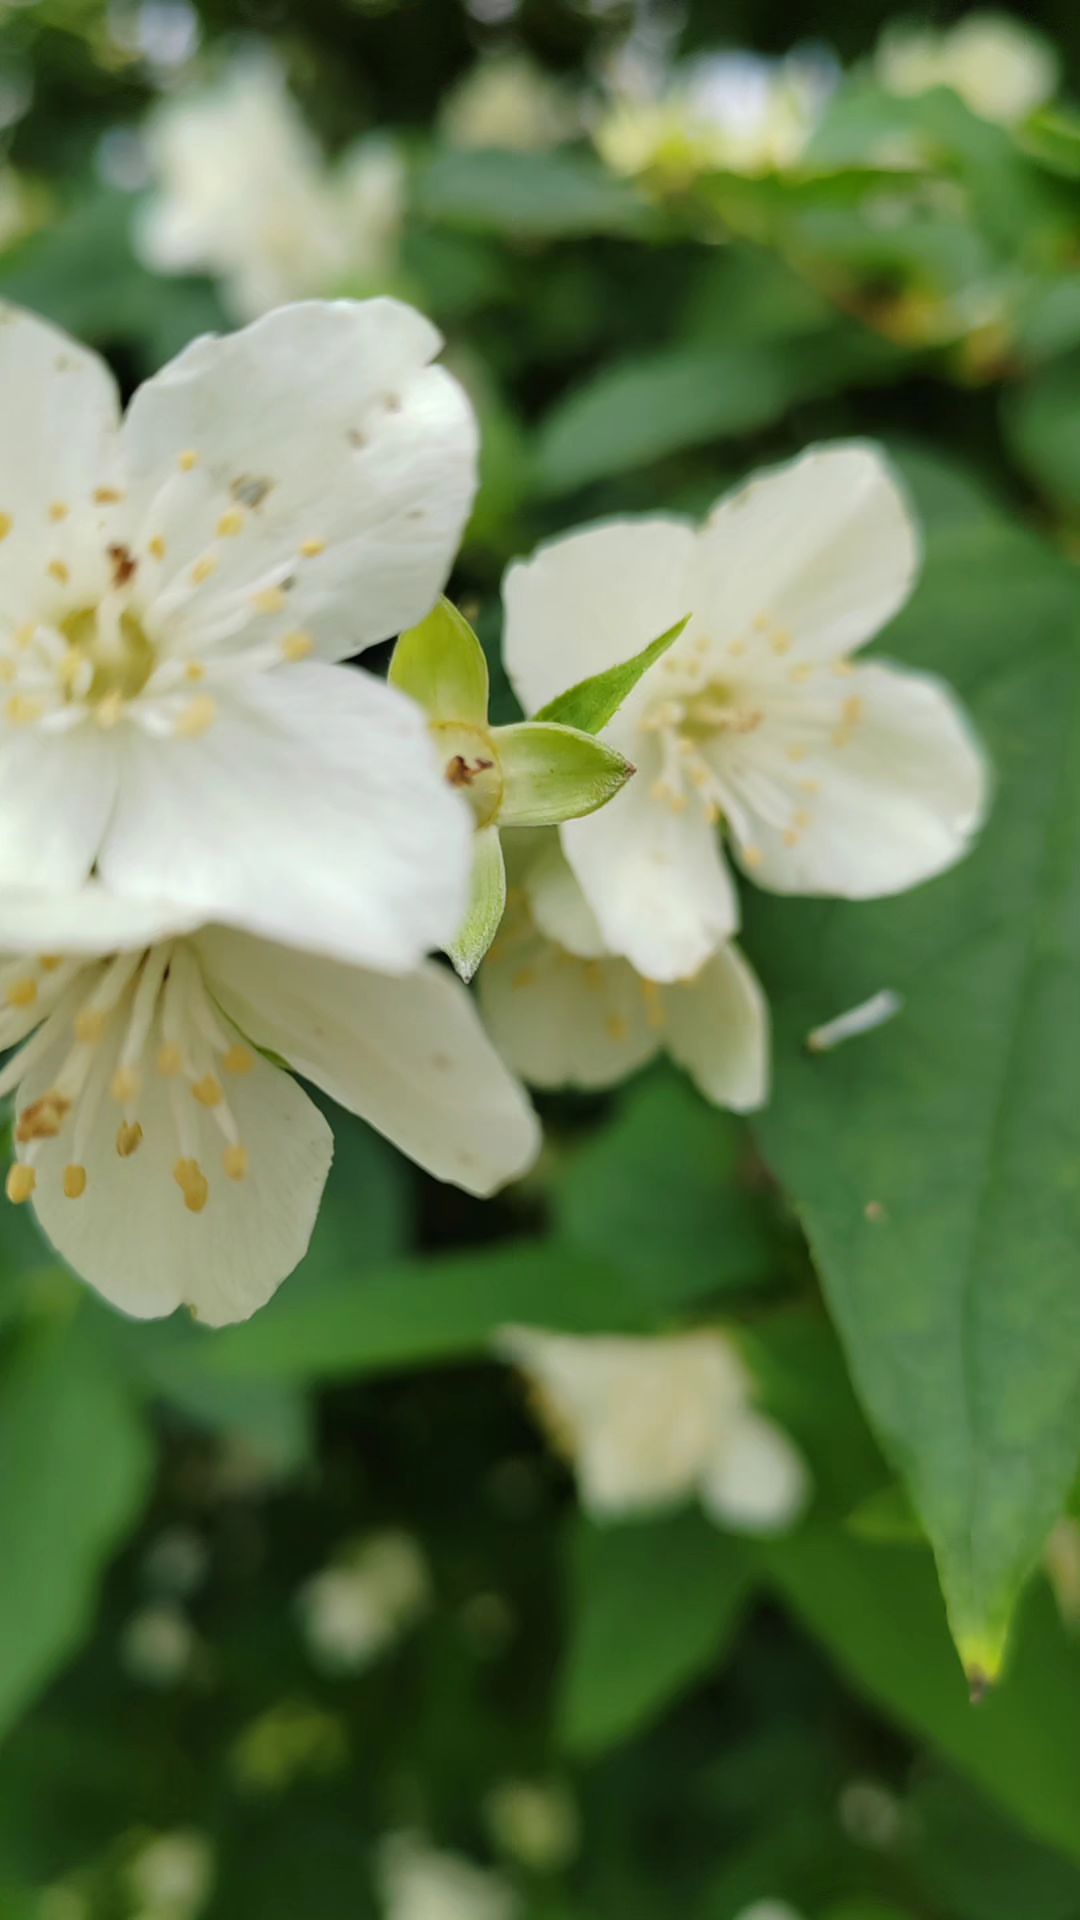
[[563, 1011], [1000, 68], [172, 1874], [535, 1822], [507, 101], [830, 778], [649, 1423], [159, 1645], [769, 1910], [734, 112], [169, 1161], [353, 1610], [246, 195], [173, 591], [417, 1881]]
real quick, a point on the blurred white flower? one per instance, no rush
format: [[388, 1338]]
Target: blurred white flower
[[535, 1822], [829, 777], [359, 1606], [169, 1158], [507, 101], [158, 1645], [417, 1881], [733, 112], [651, 1422], [769, 1910], [172, 1874], [246, 195], [1001, 68], [176, 1560], [871, 1814], [564, 1011], [173, 592]]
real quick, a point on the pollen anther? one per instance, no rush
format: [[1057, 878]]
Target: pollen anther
[[192, 1183], [74, 1181], [20, 1183]]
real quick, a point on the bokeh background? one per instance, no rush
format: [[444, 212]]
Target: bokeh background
[[292, 1614]]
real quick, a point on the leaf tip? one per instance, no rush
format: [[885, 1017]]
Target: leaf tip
[[983, 1656]]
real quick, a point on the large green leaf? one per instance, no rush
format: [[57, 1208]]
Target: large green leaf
[[935, 1162], [876, 1609], [74, 1465], [652, 1605], [1042, 418], [531, 196]]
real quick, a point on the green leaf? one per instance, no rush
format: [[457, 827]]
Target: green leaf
[[1042, 420], [713, 1232], [934, 1162], [74, 1467], [487, 900], [529, 196], [593, 702], [553, 772], [441, 665], [876, 1610], [423, 1311], [653, 1604]]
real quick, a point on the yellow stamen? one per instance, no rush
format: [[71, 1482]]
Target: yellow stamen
[[20, 1183], [524, 977], [6, 524], [239, 1059], [110, 709], [187, 460], [231, 523], [297, 646], [616, 1026], [124, 1085], [752, 856], [270, 600], [195, 671], [59, 511], [203, 569], [196, 718], [655, 1010], [74, 1181], [170, 1060], [89, 1026], [22, 711], [208, 1091], [42, 1119], [311, 549], [157, 547], [59, 571], [193, 1184], [236, 1161], [128, 1138], [22, 993], [8, 670], [48, 962], [107, 496]]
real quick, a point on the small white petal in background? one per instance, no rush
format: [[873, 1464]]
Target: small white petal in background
[[869, 1014], [245, 195], [871, 1815], [175, 1562], [171, 1876], [1002, 69], [651, 1422], [363, 1602], [507, 101], [159, 1645], [769, 1910], [535, 1822], [738, 112], [417, 1881]]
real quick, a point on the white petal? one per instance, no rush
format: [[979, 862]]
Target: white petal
[[130, 1234], [758, 1483], [407, 1054], [558, 905], [329, 417], [313, 811], [592, 600], [718, 1029], [888, 793], [61, 412], [87, 920], [808, 561], [561, 1021], [56, 794], [656, 879]]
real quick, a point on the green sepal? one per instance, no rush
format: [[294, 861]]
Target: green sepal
[[593, 702], [553, 773], [487, 899], [441, 665]]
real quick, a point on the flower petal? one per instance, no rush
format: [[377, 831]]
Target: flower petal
[[318, 451], [758, 1483], [718, 1029], [129, 1233], [61, 413], [807, 562], [86, 920], [886, 794], [655, 878], [56, 794], [312, 811], [557, 903], [408, 1055], [558, 1020], [591, 600]]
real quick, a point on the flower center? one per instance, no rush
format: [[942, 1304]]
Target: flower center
[[686, 726], [471, 763], [126, 1045], [108, 659]]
